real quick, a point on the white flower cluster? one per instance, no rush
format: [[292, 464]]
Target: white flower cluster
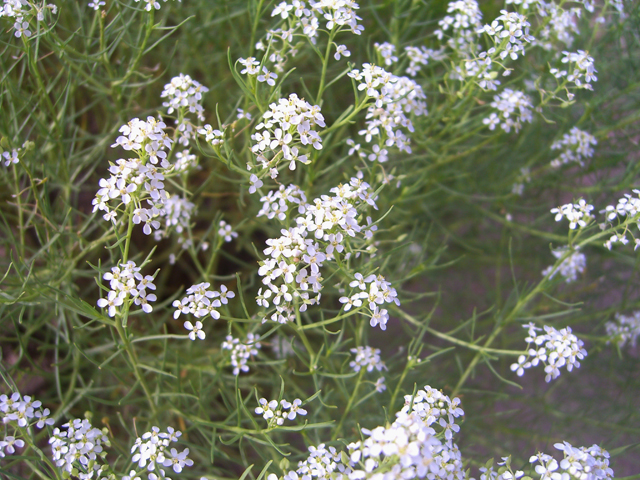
[[287, 124], [578, 214], [624, 329], [306, 16], [226, 231], [570, 267], [152, 451], [126, 281], [627, 206], [408, 448], [185, 161], [575, 146], [151, 4], [561, 25], [584, 463], [291, 274], [580, 69], [276, 203], [23, 412], [464, 22], [420, 56], [177, 215], [12, 157], [276, 412], [378, 292], [22, 11], [396, 100], [323, 463], [435, 408], [514, 107], [368, 358], [554, 349], [184, 95], [301, 19], [135, 180], [510, 31], [386, 50], [241, 353], [201, 302], [78, 449]]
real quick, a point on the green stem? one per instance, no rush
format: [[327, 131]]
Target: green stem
[[338, 428], [325, 63]]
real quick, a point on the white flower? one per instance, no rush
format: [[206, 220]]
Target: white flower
[[368, 358], [578, 214], [195, 330], [268, 77], [255, 183], [341, 50], [226, 231], [96, 4]]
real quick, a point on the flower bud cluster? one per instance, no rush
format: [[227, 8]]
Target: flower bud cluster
[[201, 302], [276, 412], [575, 146], [152, 451], [396, 100], [584, 463], [276, 203], [570, 267], [512, 27], [624, 329], [78, 449], [21, 412], [287, 125], [135, 180], [513, 106], [241, 353], [291, 274], [554, 349], [578, 214], [127, 282], [368, 358], [378, 292]]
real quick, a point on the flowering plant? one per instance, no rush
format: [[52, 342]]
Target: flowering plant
[[318, 239]]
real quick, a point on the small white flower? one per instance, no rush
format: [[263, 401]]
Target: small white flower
[[195, 330]]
